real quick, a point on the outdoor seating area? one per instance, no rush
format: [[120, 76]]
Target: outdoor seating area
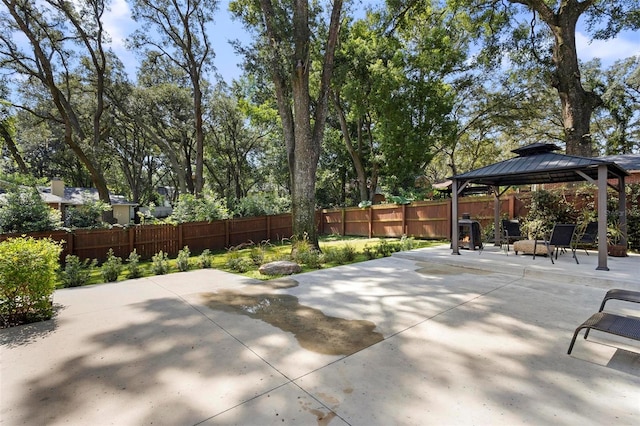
[[563, 238]]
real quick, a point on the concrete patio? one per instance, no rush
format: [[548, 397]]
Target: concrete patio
[[423, 337]]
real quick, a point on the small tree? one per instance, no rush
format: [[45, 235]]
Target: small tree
[[135, 271], [183, 259], [160, 263], [77, 273], [28, 273], [112, 267], [25, 211]]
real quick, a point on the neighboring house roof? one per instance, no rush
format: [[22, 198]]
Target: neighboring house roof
[[78, 196], [630, 162]]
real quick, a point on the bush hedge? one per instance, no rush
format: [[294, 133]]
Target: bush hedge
[[28, 275]]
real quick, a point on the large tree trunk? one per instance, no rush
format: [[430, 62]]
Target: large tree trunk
[[302, 139], [197, 108], [13, 149], [355, 157], [306, 151], [577, 103]]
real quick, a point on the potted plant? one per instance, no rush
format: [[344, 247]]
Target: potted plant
[[614, 237]]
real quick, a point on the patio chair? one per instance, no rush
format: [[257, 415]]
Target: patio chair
[[589, 236], [510, 233], [562, 237]]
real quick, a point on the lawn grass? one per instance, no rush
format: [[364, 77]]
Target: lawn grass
[[245, 260]]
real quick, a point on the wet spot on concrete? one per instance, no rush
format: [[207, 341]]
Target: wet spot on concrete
[[314, 330], [441, 269]]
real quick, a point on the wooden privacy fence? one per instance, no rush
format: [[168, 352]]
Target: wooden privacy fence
[[148, 240], [425, 219]]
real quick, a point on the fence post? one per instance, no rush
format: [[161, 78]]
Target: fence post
[[268, 228], [343, 221], [71, 248], [404, 219], [227, 241], [132, 234], [370, 222]]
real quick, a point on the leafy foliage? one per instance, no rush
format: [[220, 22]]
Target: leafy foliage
[[86, 215], [133, 261], [77, 273], [305, 253], [547, 208], [160, 263], [262, 204], [112, 267], [28, 274], [182, 260], [205, 259], [237, 262], [25, 211], [193, 209]]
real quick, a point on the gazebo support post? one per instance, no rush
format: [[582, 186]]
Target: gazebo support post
[[602, 218], [454, 217], [496, 215]]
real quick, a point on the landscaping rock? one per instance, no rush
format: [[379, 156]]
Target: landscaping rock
[[280, 267]]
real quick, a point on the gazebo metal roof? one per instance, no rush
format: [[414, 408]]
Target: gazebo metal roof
[[537, 163]]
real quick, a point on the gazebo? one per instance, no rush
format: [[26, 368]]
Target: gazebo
[[538, 163]]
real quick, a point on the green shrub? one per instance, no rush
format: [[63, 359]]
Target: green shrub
[[256, 254], [349, 253], [334, 255], [77, 273], [135, 271], [24, 210], [160, 263], [237, 262], [304, 253], [111, 268], [205, 259], [340, 255], [183, 259], [633, 229], [385, 248], [545, 209], [369, 253], [407, 243], [28, 272]]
